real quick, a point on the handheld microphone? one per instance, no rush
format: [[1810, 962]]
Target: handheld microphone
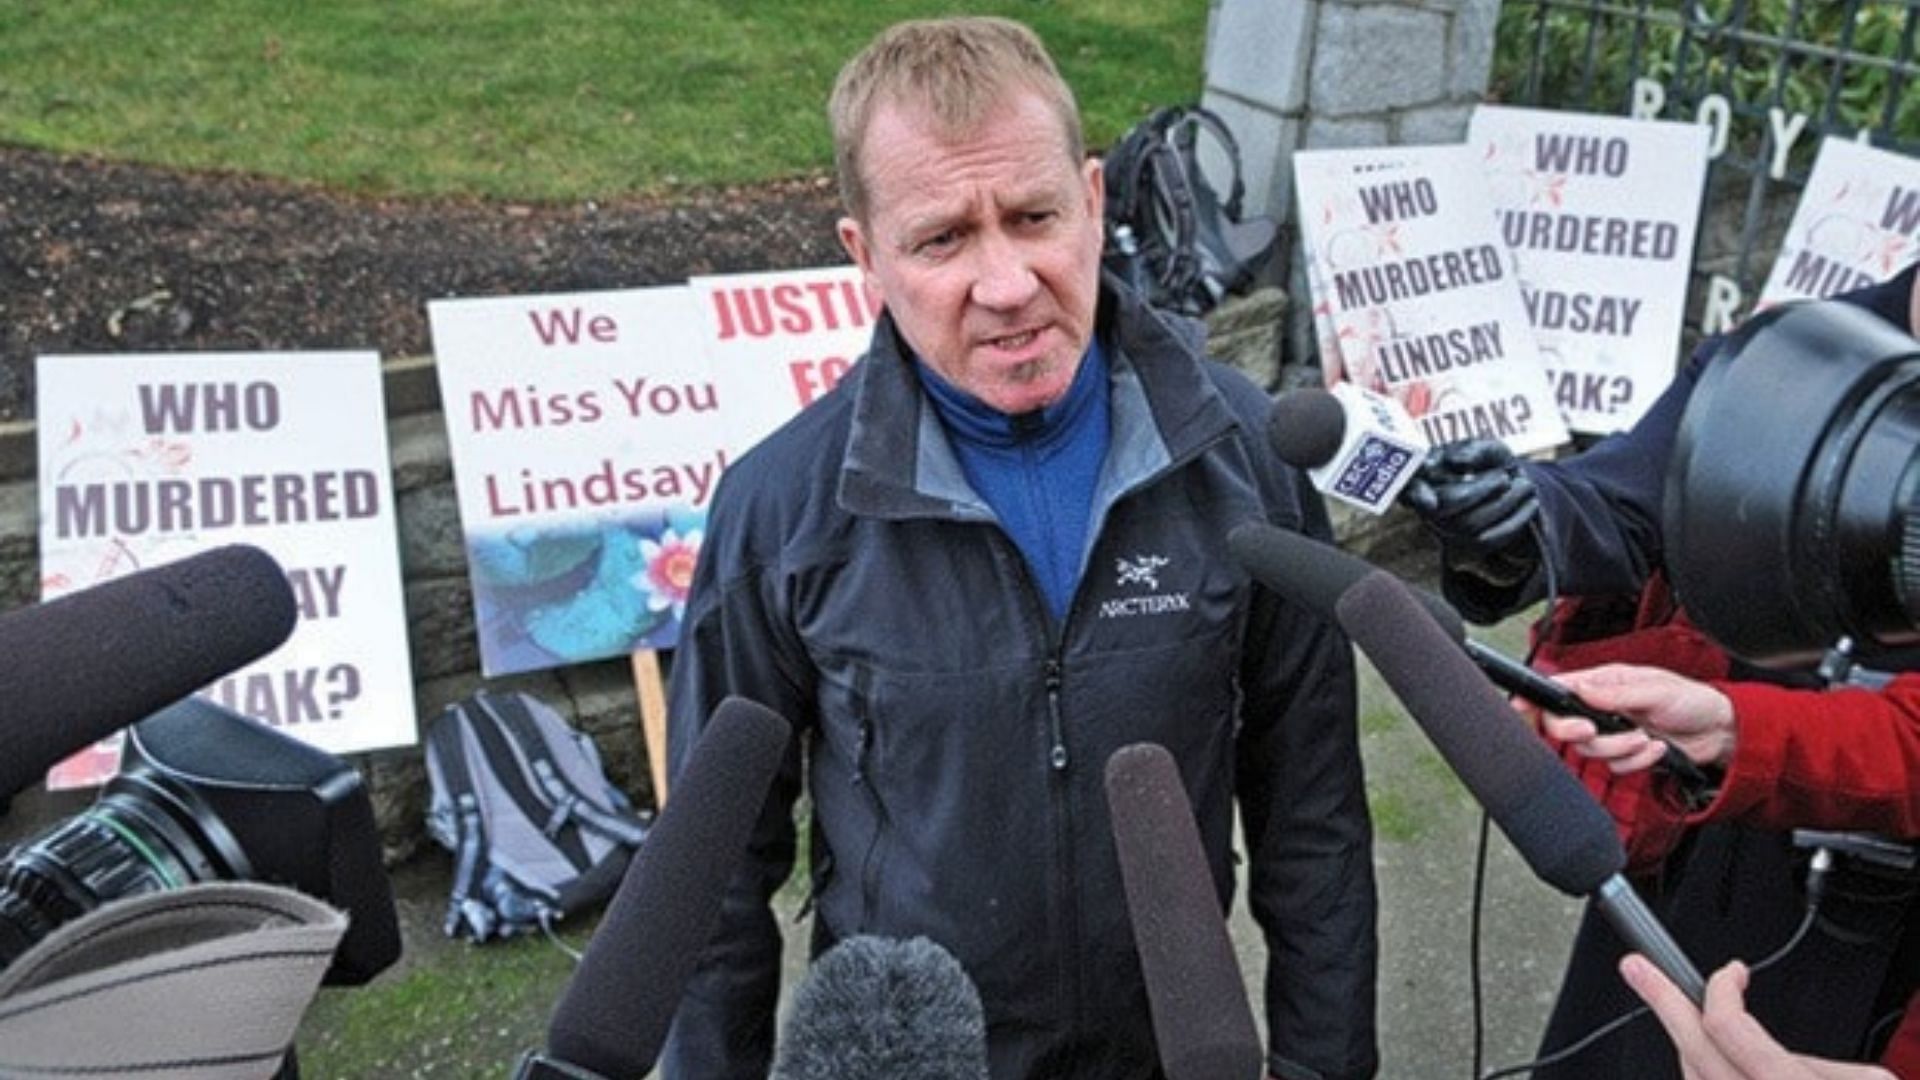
[[1317, 575], [1356, 446], [613, 1017], [1197, 1000], [1561, 832], [874, 1008], [85, 665]]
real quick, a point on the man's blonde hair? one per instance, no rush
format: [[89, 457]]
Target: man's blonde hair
[[955, 71]]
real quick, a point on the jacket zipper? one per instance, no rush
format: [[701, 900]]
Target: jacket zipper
[[870, 863], [1057, 753]]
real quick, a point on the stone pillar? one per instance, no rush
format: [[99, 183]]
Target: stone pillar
[[1304, 74]]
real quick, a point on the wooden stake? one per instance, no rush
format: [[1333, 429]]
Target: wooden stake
[[652, 693]]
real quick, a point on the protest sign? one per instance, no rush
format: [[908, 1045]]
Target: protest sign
[[586, 444], [1857, 222], [1415, 295], [1600, 214], [145, 459], [778, 341]]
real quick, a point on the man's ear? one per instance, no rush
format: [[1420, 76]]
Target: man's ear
[[1096, 179], [854, 239]]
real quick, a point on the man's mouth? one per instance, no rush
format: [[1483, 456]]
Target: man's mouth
[[1014, 342]]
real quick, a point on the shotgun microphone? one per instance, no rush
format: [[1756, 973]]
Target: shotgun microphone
[[1561, 832], [85, 665], [1198, 1004], [613, 1017], [1317, 575]]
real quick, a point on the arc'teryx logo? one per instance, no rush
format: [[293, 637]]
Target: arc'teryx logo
[[1140, 570], [1137, 571]]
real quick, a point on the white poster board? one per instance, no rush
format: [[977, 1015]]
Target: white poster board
[[1857, 223], [1415, 295], [586, 443], [779, 341], [1600, 214], [149, 458]]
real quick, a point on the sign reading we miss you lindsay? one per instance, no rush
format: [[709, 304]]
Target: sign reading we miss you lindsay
[[589, 430], [146, 459]]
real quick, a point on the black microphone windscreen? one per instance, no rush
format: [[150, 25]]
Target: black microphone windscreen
[[1316, 574], [1306, 427], [1562, 833], [82, 666], [614, 1015], [1198, 1002], [875, 1009]]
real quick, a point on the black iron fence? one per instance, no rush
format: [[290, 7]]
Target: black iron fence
[[1772, 79]]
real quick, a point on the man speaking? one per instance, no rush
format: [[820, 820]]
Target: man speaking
[[992, 556]]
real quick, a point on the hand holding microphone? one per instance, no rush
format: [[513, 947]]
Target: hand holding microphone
[[1667, 711], [1720, 1039], [1473, 495], [1317, 575], [1363, 449]]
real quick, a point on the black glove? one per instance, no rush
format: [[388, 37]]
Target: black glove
[[1473, 496]]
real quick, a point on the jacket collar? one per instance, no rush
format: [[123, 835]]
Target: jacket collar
[[898, 461]]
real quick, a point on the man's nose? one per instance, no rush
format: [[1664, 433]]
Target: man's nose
[[1003, 277]]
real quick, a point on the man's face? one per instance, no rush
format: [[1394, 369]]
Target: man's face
[[986, 248]]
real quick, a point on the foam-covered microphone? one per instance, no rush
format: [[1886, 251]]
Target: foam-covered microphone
[[1316, 575], [876, 1008], [1198, 1003], [613, 1017], [82, 666], [1356, 446], [1561, 832]]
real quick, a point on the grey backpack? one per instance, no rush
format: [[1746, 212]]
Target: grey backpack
[[536, 829]]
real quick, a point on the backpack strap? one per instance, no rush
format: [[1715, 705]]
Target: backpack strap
[[1194, 117], [567, 801], [515, 748], [444, 742]]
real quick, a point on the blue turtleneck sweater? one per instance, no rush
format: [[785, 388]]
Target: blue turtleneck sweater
[[1036, 470]]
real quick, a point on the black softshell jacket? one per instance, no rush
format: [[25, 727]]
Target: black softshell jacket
[[954, 735]]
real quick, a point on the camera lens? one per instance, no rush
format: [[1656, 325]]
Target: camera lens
[[143, 835]]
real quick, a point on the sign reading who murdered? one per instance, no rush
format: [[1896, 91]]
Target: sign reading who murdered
[[1857, 222], [145, 459], [586, 444], [1417, 298], [1599, 212]]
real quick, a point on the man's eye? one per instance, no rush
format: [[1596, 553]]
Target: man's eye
[[938, 242]]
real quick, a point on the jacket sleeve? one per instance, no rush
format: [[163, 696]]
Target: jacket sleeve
[[1303, 806], [733, 642], [1845, 759]]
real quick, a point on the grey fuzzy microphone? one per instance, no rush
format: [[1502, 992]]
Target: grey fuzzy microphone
[[876, 1008]]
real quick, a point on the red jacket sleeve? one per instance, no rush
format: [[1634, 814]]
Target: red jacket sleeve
[[1837, 759], [1902, 1056]]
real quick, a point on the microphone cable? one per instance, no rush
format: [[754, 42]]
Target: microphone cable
[[1538, 528], [1817, 869]]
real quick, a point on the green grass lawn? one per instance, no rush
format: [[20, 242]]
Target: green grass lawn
[[560, 100]]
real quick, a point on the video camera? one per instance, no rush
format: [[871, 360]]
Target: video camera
[[205, 794], [1792, 503]]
